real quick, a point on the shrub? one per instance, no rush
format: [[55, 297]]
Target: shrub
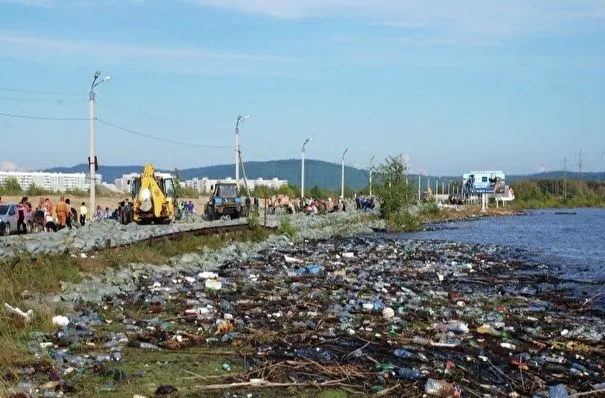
[[286, 228], [403, 220], [430, 208], [394, 193]]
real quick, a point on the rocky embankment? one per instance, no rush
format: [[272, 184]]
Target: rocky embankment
[[95, 236]]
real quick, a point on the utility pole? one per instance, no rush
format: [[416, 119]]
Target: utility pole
[[581, 156], [240, 119], [342, 177], [419, 183], [302, 169], [370, 169], [92, 158], [241, 162], [564, 178]]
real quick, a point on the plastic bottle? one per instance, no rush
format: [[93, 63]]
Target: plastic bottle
[[410, 374], [558, 391], [441, 388], [403, 353], [487, 329], [149, 346], [420, 340]]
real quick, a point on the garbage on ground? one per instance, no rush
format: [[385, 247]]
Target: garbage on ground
[[489, 326]]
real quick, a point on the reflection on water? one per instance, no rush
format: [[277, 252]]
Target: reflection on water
[[573, 243]]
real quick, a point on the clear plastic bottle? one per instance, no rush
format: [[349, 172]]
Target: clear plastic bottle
[[149, 346], [441, 388]]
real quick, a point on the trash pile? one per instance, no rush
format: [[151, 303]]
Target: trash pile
[[366, 314]]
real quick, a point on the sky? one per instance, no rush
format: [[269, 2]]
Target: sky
[[453, 86]]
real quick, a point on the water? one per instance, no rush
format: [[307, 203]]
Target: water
[[573, 245]]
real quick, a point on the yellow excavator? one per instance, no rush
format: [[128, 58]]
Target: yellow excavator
[[153, 197]]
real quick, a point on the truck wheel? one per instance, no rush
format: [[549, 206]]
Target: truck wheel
[[7, 229]]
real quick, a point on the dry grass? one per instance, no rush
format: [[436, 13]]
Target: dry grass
[[464, 212]]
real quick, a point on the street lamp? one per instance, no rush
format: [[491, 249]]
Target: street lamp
[[302, 169], [92, 159], [370, 168], [342, 176], [240, 119]]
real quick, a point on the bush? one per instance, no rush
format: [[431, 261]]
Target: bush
[[286, 228], [430, 208], [35, 190], [394, 193], [11, 187], [403, 220]]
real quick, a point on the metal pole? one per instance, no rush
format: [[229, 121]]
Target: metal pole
[[240, 120], [92, 162], [302, 169], [371, 175], [91, 153], [237, 150], [342, 177], [302, 173]]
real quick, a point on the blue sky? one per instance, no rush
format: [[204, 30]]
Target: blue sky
[[459, 85]]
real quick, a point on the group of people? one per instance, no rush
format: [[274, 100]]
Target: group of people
[[319, 206], [53, 217], [48, 216]]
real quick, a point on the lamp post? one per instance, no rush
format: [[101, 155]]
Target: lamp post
[[302, 169], [342, 176], [240, 119], [92, 160], [370, 168]]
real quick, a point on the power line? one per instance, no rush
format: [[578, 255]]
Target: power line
[[142, 115], [55, 101], [18, 116], [16, 90], [247, 149], [153, 137]]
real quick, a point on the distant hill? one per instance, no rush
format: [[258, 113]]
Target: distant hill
[[317, 172]]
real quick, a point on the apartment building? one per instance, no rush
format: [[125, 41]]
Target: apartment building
[[204, 185], [58, 182]]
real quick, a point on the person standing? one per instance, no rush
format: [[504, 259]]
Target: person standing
[[26, 202], [69, 218], [21, 217], [83, 213], [61, 209]]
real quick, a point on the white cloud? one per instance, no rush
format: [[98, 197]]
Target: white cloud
[[175, 57], [495, 17], [26, 2]]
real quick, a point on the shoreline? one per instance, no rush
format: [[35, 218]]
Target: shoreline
[[280, 258]]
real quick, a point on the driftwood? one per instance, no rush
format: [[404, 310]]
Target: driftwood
[[27, 316], [262, 383]]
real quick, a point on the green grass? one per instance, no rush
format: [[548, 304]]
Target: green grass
[[287, 228], [403, 220]]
